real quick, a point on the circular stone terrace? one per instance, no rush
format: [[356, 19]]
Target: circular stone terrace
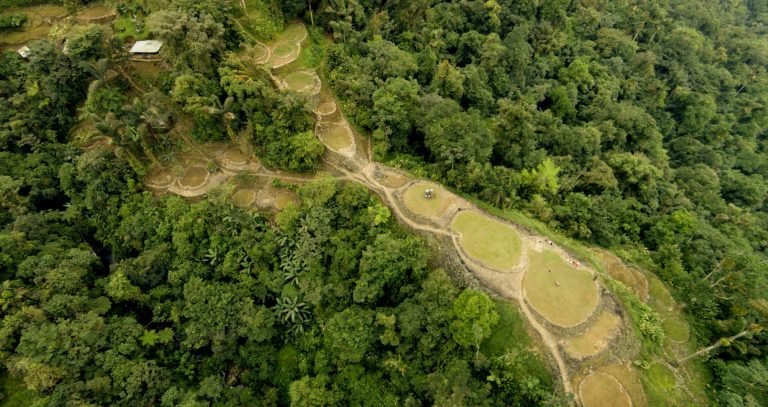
[[302, 81], [559, 290], [326, 108], [603, 390], [159, 178], [439, 208], [244, 198], [194, 178], [337, 136]]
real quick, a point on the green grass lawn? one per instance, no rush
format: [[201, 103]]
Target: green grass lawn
[[660, 386], [495, 244], [124, 27], [567, 304], [244, 198], [675, 329], [660, 298]]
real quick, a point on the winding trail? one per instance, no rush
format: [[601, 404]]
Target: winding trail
[[354, 163]]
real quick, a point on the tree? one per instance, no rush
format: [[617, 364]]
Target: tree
[[191, 40], [760, 308], [458, 139], [348, 335], [474, 318], [388, 263], [395, 108]]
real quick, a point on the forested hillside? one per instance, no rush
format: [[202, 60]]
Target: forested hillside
[[113, 296], [635, 125]]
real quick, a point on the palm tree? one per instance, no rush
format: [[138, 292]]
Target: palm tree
[[291, 311], [760, 306]]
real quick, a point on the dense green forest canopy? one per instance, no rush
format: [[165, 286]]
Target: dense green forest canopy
[[114, 296], [635, 125], [638, 125]]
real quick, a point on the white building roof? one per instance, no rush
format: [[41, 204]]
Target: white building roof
[[23, 51], [146, 47]]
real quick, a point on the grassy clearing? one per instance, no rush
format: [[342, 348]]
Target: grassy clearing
[[393, 180], [45, 11], [159, 177], [603, 390], [566, 304], [293, 32], [660, 385], [18, 38], [660, 298], [125, 28], [578, 249], [16, 394], [596, 338], [487, 240], [234, 155], [415, 201], [675, 329], [337, 137]]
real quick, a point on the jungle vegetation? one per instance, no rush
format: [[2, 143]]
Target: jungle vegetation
[[636, 125]]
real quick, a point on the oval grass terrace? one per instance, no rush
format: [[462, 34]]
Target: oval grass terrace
[[603, 390], [492, 243], [562, 294]]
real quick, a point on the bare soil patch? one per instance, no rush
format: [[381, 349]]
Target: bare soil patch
[[596, 338], [603, 390], [558, 291], [488, 241]]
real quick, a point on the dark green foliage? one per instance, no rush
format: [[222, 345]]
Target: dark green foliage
[[111, 296], [12, 21], [600, 119]]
